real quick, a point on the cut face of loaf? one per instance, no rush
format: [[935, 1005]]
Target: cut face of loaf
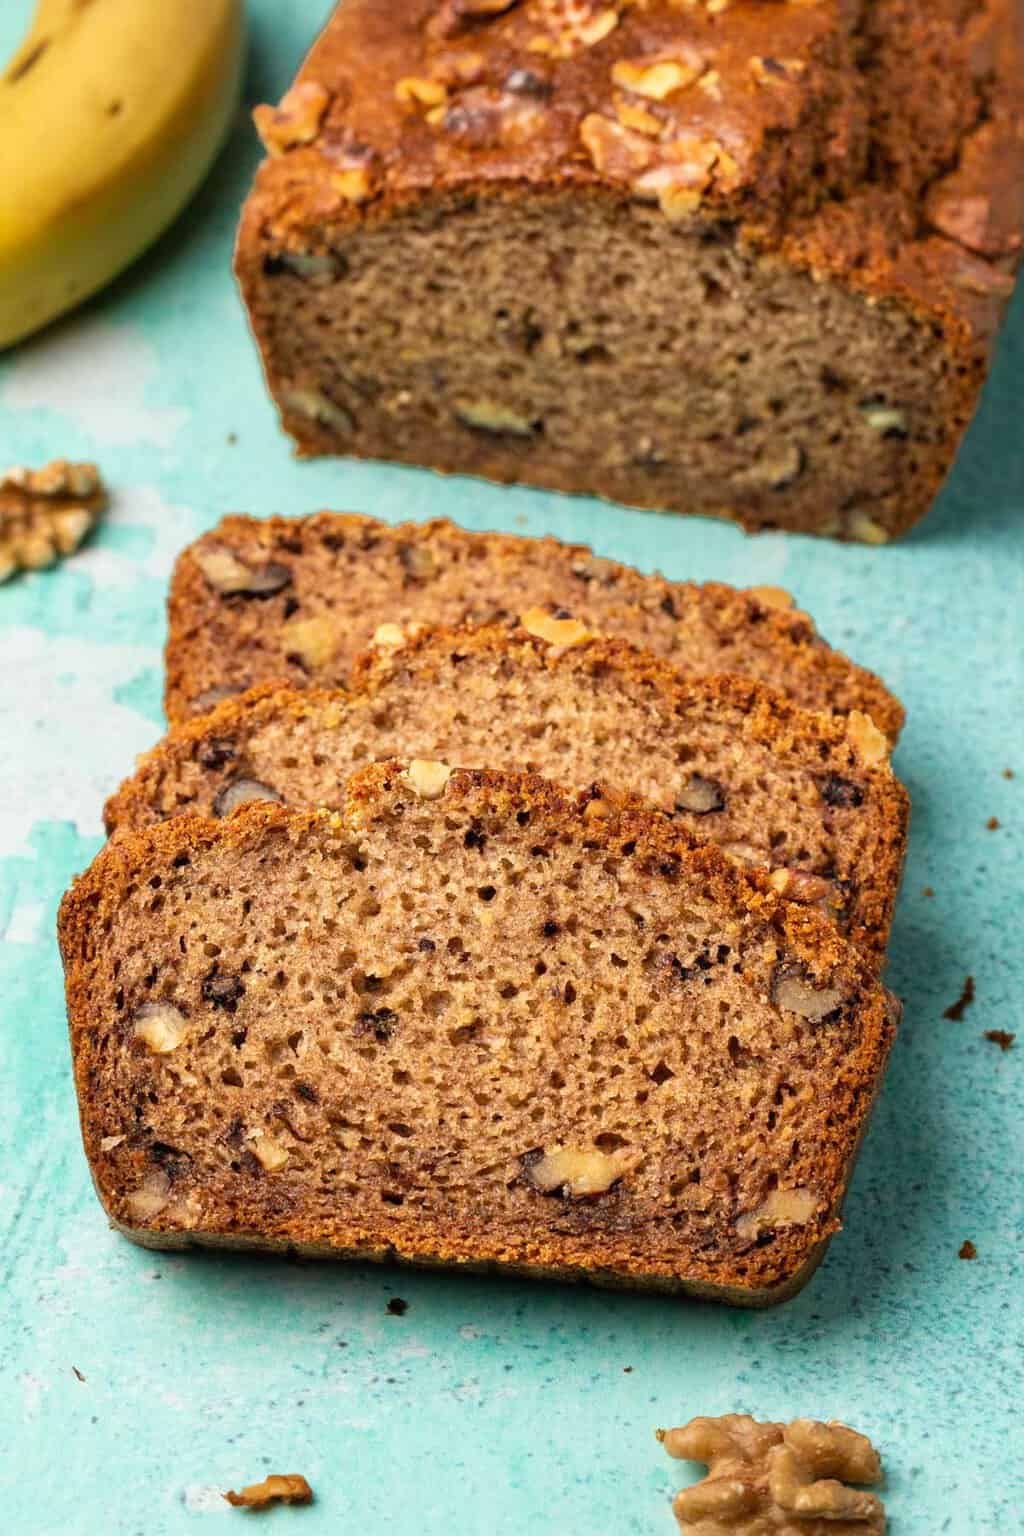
[[808, 795], [740, 259], [298, 599], [466, 1021]]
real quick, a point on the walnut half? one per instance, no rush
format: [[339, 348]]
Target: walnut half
[[776, 1477], [45, 513]]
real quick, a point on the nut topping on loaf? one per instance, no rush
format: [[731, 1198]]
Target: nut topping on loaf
[[435, 573], [728, 759], [480, 1027], [741, 259]]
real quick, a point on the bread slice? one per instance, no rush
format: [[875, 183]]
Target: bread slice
[[468, 1020], [299, 598], [809, 795]]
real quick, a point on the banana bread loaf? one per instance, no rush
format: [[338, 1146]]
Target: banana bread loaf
[[570, 1043], [298, 598], [744, 259], [810, 795]]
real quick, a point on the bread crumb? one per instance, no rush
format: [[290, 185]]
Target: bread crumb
[[968, 1250], [1000, 1037], [956, 1010], [396, 1307], [279, 1488], [78, 1373], [993, 824], [927, 891], [1008, 773]]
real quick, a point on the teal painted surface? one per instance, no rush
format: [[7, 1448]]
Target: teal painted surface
[[489, 1406]]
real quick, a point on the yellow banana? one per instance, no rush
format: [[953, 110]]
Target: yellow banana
[[111, 113]]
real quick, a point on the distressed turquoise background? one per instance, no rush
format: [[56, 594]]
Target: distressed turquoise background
[[489, 1406]]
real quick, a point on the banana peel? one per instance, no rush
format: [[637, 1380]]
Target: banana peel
[[111, 113]]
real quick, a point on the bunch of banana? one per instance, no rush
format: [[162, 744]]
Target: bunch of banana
[[111, 113]]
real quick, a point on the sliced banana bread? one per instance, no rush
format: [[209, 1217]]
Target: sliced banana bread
[[467, 1020], [808, 794], [739, 257], [298, 598]]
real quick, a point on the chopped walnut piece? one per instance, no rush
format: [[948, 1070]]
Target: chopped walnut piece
[[151, 1196], [296, 120], [772, 597], [492, 416], [313, 641], [793, 991], [392, 637], [788, 1478], [413, 90], [867, 738], [227, 574], [314, 404], [780, 1208], [807, 889], [671, 172], [427, 779], [631, 115], [577, 1172], [559, 628], [270, 1152], [571, 26], [279, 1488], [161, 1026], [886, 420], [699, 795], [658, 78], [864, 529], [46, 512], [358, 170]]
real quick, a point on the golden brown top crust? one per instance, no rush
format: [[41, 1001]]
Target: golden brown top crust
[[826, 678], [762, 110]]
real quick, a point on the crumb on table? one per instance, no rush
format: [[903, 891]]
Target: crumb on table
[[1001, 1037], [956, 1010], [968, 1250], [278, 1488]]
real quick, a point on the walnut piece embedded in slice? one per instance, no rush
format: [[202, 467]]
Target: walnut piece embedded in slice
[[577, 1172], [776, 1477], [278, 1488], [45, 513], [793, 991]]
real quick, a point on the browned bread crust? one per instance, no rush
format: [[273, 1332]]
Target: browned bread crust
[[759, 1044], [811, 795], [861, 161], [349, 574]]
